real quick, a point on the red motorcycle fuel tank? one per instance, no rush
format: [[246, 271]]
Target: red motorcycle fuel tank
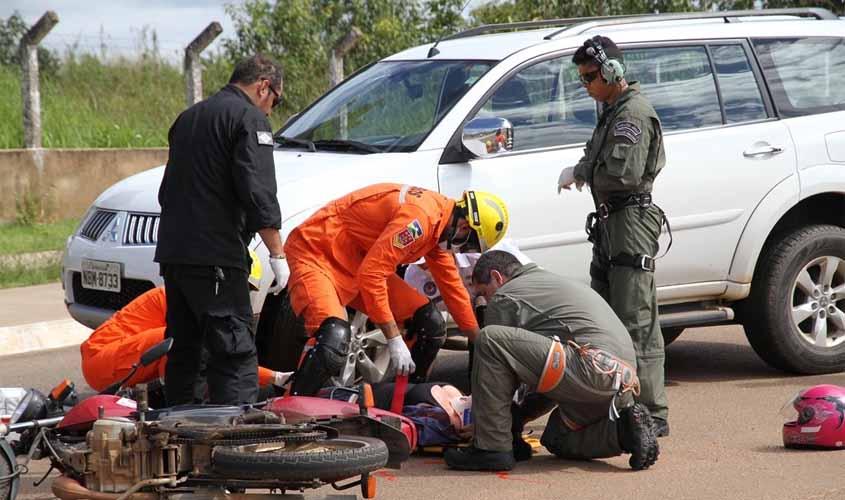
[[86, 412]]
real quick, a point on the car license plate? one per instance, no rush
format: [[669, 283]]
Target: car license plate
[[100, 275]]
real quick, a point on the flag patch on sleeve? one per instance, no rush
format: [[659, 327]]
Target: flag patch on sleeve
[[264, 138], [627, 130], [408, 235]]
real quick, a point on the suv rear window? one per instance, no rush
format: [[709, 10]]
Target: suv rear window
[[679, 83], [805, 75]]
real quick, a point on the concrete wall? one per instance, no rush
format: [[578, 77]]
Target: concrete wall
[[62, 183]]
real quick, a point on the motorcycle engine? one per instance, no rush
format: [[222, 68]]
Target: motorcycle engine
[[117, 456]]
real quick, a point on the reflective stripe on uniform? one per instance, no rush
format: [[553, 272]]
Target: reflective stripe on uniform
[[554, 369]]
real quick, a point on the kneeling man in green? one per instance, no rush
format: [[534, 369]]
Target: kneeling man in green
[[561, 339]]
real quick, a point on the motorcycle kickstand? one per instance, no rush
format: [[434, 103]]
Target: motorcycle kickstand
[[44, 477]]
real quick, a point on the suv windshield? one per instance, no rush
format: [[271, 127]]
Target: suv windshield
[[390, 106]]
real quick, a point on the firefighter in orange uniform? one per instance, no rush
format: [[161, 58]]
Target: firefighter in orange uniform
[[111, 350], [347, 254]]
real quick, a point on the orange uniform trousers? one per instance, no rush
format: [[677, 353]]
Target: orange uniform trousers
[[111, 350]]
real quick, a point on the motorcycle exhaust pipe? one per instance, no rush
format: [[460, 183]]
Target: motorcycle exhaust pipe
[[70, 489]]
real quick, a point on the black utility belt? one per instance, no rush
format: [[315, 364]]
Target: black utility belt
[[617, 203]]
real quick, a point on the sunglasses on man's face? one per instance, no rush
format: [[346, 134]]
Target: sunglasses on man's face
[[588, 78], [277, 96]]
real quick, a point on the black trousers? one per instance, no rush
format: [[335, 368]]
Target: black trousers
[[208, 307]]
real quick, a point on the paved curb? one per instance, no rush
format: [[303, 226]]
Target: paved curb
[[30, 337]]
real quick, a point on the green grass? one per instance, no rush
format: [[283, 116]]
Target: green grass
[[91, 104], [22, 276], [19, 238]]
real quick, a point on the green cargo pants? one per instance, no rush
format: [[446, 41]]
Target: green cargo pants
[[507, 356], [632, 293]]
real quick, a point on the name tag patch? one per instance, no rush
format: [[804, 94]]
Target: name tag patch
[[628, 130], [264, 138], [408, 235]]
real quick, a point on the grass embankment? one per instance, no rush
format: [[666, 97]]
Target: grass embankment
[[91, 104], [16, 240]]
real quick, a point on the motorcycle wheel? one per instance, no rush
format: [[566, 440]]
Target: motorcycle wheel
[[5, 484], [327, 460]]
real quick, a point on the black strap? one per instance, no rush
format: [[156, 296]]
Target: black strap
[[638, 261]]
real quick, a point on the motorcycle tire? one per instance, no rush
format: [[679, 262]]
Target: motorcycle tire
[[5, 472], [327, 460]]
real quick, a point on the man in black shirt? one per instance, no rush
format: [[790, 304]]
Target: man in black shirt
[[218, 190]]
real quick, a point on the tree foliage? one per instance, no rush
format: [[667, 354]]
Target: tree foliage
[[301, 34]]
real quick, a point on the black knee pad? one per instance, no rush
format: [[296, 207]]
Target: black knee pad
[[427, 323], [333, 343], [428, 328], [325, 359]]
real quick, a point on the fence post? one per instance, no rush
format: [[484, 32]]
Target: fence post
[[192, 66], [336, 69], [29, 78]]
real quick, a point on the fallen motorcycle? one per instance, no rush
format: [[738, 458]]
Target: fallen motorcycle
[[109, 448]]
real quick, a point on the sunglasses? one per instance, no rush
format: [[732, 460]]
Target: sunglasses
[[588, 78], [277, 96]]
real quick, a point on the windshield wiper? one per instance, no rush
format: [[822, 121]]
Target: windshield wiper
[[282, 140], [347, 145]]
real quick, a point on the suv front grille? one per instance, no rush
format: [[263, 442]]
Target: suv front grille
[[97, 224], [142, 229], [129, 289]]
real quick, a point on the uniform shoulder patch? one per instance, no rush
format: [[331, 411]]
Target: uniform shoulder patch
[[627, 130], [408, 234], [264, 138]]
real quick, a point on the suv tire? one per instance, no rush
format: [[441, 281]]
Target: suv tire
[[796, 320]]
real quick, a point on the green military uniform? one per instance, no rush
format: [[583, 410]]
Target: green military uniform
[[522, 319], [620, 163]]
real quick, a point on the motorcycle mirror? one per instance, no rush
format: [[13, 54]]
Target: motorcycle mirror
[[155, 352]]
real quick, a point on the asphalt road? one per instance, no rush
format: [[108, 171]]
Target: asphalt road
[[725, 437]]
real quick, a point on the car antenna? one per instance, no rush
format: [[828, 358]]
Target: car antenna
[[433, 50]]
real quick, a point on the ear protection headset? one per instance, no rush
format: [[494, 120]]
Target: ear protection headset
[[612, 70]]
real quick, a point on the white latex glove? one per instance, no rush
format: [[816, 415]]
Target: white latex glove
[[567, 178], [281, 272], [400, 356], [281, 378]]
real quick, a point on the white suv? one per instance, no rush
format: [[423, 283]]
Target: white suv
[[754, 186]]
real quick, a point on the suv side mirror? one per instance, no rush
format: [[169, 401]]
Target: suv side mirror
[[485, 137], [155, 352]]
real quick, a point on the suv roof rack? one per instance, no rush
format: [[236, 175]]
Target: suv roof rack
[[587, 23]]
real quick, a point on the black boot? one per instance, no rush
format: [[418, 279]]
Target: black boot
[[473, 458], [661, 427], [636, 436], [521, 450]]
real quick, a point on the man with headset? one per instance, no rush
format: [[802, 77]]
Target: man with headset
[[620, 164]]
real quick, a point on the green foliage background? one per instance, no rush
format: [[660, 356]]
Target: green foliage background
[[96, 101]]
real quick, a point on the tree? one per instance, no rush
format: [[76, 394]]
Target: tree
[[300, 34], [11, 31]]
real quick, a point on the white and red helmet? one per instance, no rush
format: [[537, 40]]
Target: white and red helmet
[[816, 418]]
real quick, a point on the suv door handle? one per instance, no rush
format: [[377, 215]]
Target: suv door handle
[[765, 150]]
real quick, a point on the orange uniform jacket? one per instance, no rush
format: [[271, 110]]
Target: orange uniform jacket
[[359, 239], [111, 350]]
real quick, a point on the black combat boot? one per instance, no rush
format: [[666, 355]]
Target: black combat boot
[[473, 458], [636, 436]]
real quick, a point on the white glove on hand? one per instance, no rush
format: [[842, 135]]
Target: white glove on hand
[[281, 378], [281, 272], [400, 356], [567, 178]]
